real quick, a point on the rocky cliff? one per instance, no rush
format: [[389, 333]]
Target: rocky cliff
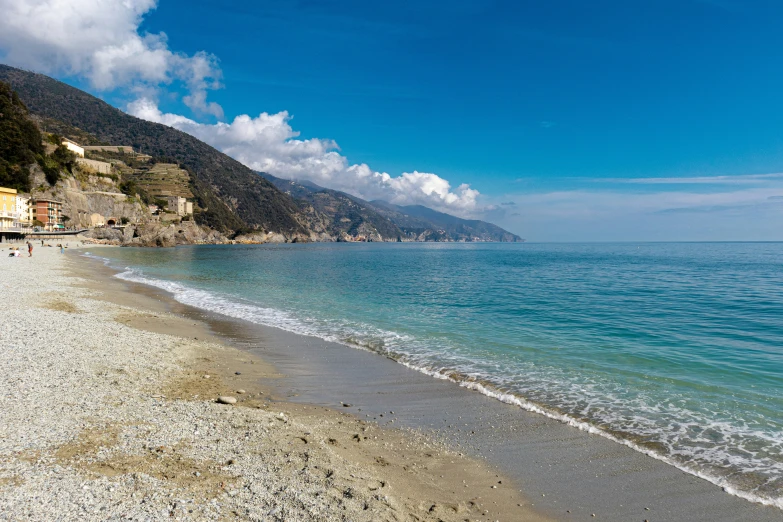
[[155, 234]]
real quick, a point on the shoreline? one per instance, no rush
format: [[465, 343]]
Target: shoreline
[[644, 481], [139, 433]]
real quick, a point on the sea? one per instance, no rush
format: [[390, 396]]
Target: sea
[[673, 349]]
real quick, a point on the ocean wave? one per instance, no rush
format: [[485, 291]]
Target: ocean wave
[[701, 461]]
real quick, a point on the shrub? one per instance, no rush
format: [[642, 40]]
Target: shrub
[[129, 188], [52, 174]]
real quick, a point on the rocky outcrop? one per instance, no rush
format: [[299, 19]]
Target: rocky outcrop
[[276, 237], [158, 235]]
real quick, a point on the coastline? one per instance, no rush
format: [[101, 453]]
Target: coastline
[[108, 414], [567, 472]]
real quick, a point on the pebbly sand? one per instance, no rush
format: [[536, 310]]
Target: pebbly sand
[[109, 412]]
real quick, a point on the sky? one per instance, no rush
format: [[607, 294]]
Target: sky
[[561, 121]]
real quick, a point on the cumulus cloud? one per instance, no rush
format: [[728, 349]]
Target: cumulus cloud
[[100, 40], [268, 143]]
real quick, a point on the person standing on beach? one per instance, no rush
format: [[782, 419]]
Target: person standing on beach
[[29, 249]]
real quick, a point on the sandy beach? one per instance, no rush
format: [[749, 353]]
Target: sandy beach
[[110, 411]]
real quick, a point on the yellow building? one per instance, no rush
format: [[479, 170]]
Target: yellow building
[[7, 207]]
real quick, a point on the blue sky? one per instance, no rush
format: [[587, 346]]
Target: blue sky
[[605, 120]]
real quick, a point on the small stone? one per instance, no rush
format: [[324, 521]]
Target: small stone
[[346, 405], [206, 376], [494, 487], [237, 373], [241, 392], [227, 400]]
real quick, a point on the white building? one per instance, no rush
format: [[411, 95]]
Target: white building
[[73, 147], [23, 211]]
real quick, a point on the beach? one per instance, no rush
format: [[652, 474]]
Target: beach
[[110, 412], [322, 431]]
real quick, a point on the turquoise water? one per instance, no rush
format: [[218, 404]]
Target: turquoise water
[[673, 349]]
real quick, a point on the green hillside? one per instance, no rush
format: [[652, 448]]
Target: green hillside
[[20, 141]]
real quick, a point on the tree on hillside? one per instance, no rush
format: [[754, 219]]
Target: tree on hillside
[[20, 141]]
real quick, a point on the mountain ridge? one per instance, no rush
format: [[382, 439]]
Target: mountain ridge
[[400, 223], [231, 198]]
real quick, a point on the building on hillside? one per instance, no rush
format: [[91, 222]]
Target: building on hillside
[[49, 212], [7, 207], [179, 205], [73, 147]]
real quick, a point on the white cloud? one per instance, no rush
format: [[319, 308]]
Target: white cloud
[[268, 143], [100, 40]]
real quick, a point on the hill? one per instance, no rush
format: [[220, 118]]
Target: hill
[[348, 215], [230, 197], [344, 216], [233, 196], [20, 141]]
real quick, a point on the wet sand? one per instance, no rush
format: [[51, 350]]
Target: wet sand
[[566, 474], [419, 477]]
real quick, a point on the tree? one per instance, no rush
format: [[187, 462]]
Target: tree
[[64, 157], [51, 171], [20, 141]]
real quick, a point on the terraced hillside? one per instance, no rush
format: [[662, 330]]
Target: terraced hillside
[[161, 180]]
